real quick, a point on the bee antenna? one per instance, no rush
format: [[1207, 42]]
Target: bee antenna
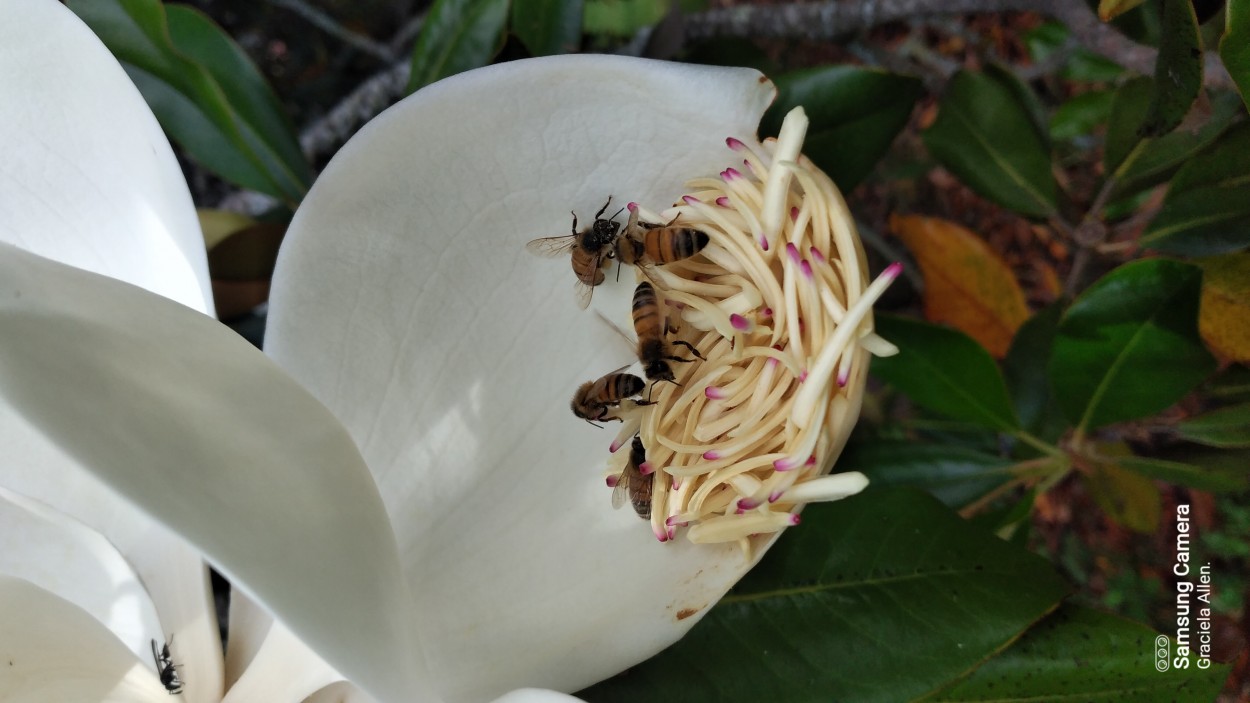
[[618, 212]]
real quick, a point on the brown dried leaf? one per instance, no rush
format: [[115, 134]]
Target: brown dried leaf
[[967, 285]]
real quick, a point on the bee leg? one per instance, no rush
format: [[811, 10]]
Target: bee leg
[[574, 228], [604, 208], [689, 346]]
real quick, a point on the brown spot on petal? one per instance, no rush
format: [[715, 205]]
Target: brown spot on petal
[[686, 612]]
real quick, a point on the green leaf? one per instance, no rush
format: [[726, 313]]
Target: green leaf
[[1082, 65], [954, 475], [1226, 427], [1081, 115], [1024, 369], [882, 597], [458, 35], [1080, 654], [548, 27], [1130, 499], [204, 90], [1235, 45], [1211, 478], [1153, 161], [1207, 208], [855, 114], [1129, 347], [986, 135], [1178, 70], [946, 371]]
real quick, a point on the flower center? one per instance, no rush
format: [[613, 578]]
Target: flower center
[[778, 307]]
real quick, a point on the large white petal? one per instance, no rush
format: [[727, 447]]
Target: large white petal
[[204, 433], [404, 299], [88, 177], [52, 650]]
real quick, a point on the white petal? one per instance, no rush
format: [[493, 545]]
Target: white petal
[[404, 299], [341, 692], [68, 559], [172, 571], [284, 669], [535, 695], [88, 177], [204, 433], [52, 650]]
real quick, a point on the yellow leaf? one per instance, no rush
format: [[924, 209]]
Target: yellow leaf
[[219, 224], [1224, 319], [1110, 9], [966, 284], [1128, 498]]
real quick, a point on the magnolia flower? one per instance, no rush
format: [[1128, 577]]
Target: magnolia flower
[[397, 491]]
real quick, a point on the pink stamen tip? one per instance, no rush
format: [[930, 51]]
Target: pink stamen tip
[[893, 270], [768, 312], [806, 269], [646, 469], [784, 464], [817, 255], [739, 322], [631, 206], [677, 486], [734, 143], [811, 461], [771, 363], [803, 375], [611, 481], [690, 199], [794, 214], [672, 520], [740, 511], [842, 380], [713, 393], [794, 519], [672, 532], [731, 173], [763, 243], [615, 446], [711, 455], [723, 201], [745, 504], [775, 496], [793, 252]]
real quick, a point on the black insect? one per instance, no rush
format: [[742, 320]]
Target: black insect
[[166, 668]]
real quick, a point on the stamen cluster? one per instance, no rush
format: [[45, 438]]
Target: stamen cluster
[[779, 306]]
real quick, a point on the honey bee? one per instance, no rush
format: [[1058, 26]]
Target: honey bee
[[644, 244], [165, 667], [595, 400], [591, 248], [651, 328], [633, 483]]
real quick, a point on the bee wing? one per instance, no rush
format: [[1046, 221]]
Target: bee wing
[[620, 492], [551, 247], [582, 294]]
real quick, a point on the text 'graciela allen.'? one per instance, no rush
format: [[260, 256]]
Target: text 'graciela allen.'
[[1193, 604]]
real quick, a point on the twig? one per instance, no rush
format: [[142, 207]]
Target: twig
[[326, 23]]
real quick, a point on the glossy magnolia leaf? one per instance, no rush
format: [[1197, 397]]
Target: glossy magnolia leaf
[[1235, 45], [1204, 472], [1178, 70], [217, 225], [1126, 497], [985, 134], [946, 371], [1080, 654], [882, 597], [458, 35], [1081, 115], [967, 285], [1225, 318], [1024, 369], [1137, 162], [176, 58], [1207, 208], [855, 114], [1128, 347], [1226, 427], [955, 475], [548, 27]]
